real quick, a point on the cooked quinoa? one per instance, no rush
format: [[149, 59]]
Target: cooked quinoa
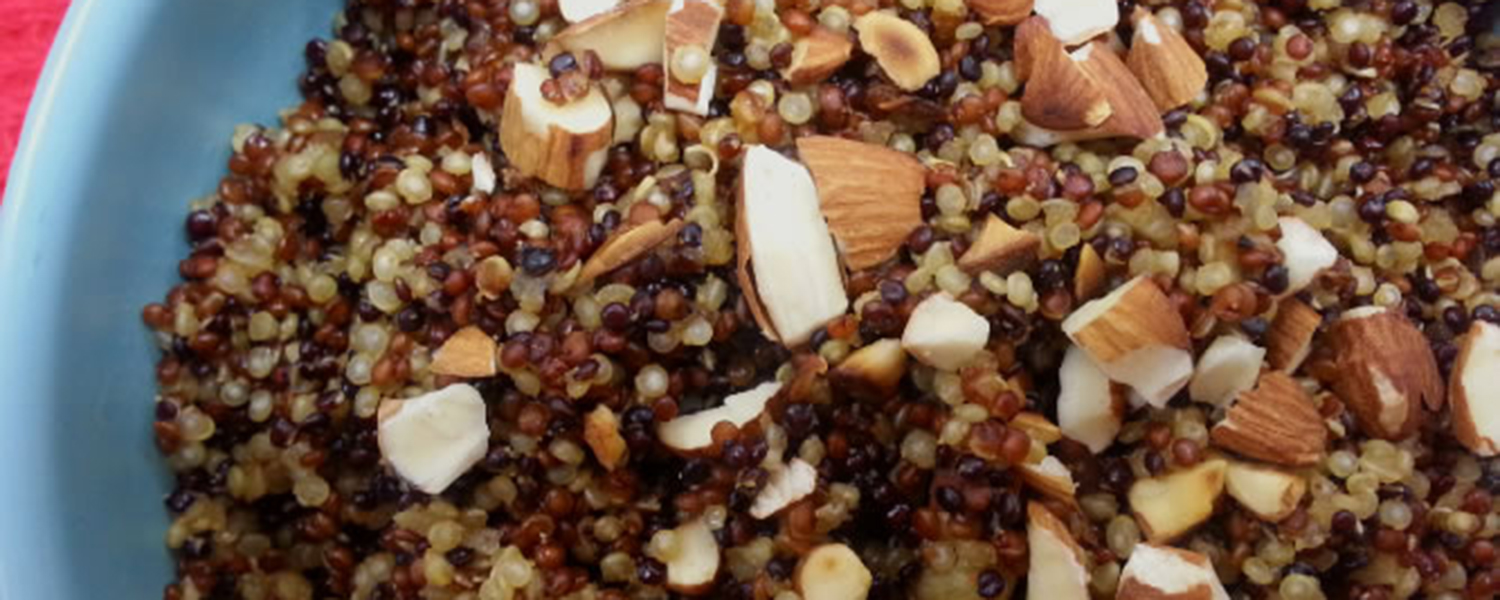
[[384, 217]]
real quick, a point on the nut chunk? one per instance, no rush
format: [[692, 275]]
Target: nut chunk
[[1136, 337], [1385, 371], [833, 572], [1058, 567], [1160, 572], [1090, 407], [562, 144], [1474, 390], [432, 439], [944, 333], [1169, 506], [903, 51]]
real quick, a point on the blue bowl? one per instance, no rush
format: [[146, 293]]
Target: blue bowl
[[131, 120]]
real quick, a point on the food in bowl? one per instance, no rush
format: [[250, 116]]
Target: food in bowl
[[580, 299]]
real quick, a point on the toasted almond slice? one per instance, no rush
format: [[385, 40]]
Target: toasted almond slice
[[1037, 426], [1229, 366], [578, 10], [1137, 337], [1090, 407], [903, 51], [1078, 21], [601, 431], [624, 247], [1059, 93], [431, 440], [1058, 566], [1088, 277], [785, 487], [944, 333], [871, 195], [1167, 507], [1290, 337], [816, 56], [694, 432], [694, 561], [1385, 371], [783, 238], [1001, 12], [1474, 389], [1272, 494], [1275, 422], [1163, 572], [873, 371], [1133, 112], [1305, 252], [833, 572], [625, 38], [691, 31], [1051, 478], [1172, 73], [562, 144], [469, 352], [1001, 248]]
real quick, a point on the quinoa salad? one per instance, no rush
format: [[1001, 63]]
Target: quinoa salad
[[846, 299]]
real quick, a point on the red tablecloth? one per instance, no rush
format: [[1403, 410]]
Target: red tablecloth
[[27, 29]]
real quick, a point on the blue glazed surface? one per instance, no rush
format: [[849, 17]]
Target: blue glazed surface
[[130, 121]]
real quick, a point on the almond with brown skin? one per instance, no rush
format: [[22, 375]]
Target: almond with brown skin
[[1289, 340], [1137, 337], [1001, 12], [692, 27], [1088, 277], [601, 431], [903, 50], [1166, 573], [1275, 422], [816, 56], [1133, 113], [1474, 390], [562, 144], [1001, 248], [1058, 566], [871, 195], [1168, 68], [469, 352], [1059, 93], [1386, 370], [624, 247], [625, 38], [874, 371]]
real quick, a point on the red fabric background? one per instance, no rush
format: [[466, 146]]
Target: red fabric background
[[27, 30]]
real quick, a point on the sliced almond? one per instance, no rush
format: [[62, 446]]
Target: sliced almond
[[601, 431], [1058, 566], [694, 432], [1001, 248], [469, 352], [1172, 73], [1037, 427], [816, 56], [692, 29], [873, 371], [1229, 366], [578, 10], [1001, 12], [1305, 252], [623, 248], [944, 333], [798, 286], [1078, 21], [625, 38], [562, 144], [833, 572], [1133, 112], [694, 561], [1275, 422], [1051, 478], [1090, 407], [1272, 494], [1163, 572], [1137, 337], [432, 440], [1059, 93], [1088, 277], [1289, 340], [903, 51], [1474, 389], [1167, 507], [785, 487], [1385, 371], [870, 194]]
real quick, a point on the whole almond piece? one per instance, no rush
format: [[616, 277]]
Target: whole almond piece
[[871, 195], [1001, 12], [1289, 340], [903, 51], [816, 56], [1275, 422], [1168, 68], [1001, 248], [1474, 390], [469, 352], [1386, 370], [626, 246]]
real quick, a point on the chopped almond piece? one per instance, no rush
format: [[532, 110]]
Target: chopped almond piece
[[625, 38], [1088, 278], [469, 352], [816, 56], [601, 430], [1078, 21], [562, 144], [873, 371], [1169, 506], [944, 333], [1289, 340], [624, 247], [1137, 337], [1166, 573], [784, 488], [578, 10], [1001, 12], [1001, 248], [1272, 494], [1275, 422], [871, 195], [833, 572], [1090, 407], [1051, 478], [432, 440], [1474, 390], [1058, 566], [694, 432], [692, 29], [902, 49], [1172, 73], [694, 561], [1229, 366], [1305, 252], [1385, 371]]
